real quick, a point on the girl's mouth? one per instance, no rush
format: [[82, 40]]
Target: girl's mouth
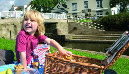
[[28, 27]]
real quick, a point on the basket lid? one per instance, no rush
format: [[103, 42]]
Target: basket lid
[[119, 45]]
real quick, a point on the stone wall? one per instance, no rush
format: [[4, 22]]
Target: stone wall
[[80, 29], [9, 28], [62, 28]]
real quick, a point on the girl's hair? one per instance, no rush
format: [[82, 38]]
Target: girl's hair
[[37, 16]]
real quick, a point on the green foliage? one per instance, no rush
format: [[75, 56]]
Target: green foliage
[[45, 5], [119, 22], [84, 20]]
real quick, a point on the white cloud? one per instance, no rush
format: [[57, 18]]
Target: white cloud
[[11, 2]]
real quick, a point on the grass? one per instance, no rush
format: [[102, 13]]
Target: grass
[[85, 20], [8, 45], [121, 65]]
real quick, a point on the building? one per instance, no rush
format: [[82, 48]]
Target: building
[[115, 10], [23, 8], [85, 8], [60, 8], [15, 12]]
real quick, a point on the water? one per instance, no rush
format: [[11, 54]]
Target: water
[[99, 47]]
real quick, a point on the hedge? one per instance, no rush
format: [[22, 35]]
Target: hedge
[[118, 22]]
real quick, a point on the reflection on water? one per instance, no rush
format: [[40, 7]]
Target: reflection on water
[[99, 47]]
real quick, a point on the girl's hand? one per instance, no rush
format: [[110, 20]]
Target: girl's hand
[[28, 69], [57, 46], [65, 52]]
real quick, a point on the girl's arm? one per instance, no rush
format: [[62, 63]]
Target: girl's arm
[[23, 60], [55, 44]]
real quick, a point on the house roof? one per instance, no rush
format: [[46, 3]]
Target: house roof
[[59, 8], [59, 11], [59, 5], [18, 8]]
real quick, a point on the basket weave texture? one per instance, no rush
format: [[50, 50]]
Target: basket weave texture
[[55, 64]]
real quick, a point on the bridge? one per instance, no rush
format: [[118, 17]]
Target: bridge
[[19, 14], [56, 24]]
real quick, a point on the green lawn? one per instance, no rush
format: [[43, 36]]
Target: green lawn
[[121, 66]]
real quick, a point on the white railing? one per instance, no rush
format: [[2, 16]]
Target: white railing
[[19, 14], [11, 14], [54, 16]]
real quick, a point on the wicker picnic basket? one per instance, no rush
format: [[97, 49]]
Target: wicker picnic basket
[[55, 64]]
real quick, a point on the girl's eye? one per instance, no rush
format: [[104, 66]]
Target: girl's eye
[[32, 20], [25, 19]]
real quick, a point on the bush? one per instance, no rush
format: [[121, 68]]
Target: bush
[[119, 22]]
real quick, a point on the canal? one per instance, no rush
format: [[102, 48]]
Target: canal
[[99, 47]]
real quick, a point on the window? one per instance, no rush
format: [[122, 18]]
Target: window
[[99, 13], [99, 3], [74, 15], [74, 6], [85, 4], [86, 14]]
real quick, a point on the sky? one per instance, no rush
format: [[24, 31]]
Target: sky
[[5, 5]]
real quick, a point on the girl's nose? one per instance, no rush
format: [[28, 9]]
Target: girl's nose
[[28, 21]]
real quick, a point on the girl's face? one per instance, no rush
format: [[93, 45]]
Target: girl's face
[[30, 26]]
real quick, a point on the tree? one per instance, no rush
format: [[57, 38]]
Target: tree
[[122, 3], [45, 5]]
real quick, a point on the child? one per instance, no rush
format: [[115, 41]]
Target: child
[[31, 34]]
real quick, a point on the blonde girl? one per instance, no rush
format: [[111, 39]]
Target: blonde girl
[[31, 34]]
